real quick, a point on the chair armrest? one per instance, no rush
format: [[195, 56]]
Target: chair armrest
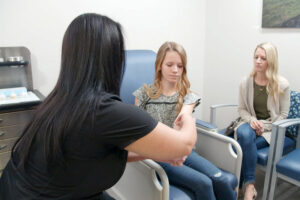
[[213, 110], [280, 133], [218, 149], [205, 125], [156, 168], [139, 181], [276, 150]]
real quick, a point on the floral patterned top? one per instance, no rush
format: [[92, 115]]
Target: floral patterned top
[[163, 108]]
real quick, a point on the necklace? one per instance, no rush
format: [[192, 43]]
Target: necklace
[[260, 88]]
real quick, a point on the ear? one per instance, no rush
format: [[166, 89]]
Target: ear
[[159, 69]]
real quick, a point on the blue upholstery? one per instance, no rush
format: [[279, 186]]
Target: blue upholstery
[[290, 165], [286, 167], [140, 70], [222, 131], [289, 144], [262, 154], [179, 193], [205, 124], [136, 76], [294, 112]]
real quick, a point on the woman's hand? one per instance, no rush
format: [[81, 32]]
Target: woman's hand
[[178, 162], [185, 110], [178, 122], [181, 119], [257, 126]]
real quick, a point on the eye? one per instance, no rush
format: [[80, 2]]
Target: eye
[[169, 64], [180, 66]]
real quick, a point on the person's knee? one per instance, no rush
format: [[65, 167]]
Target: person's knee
[[245, 133], [204, 189], [206, 184], [200, 183], [220, 179]]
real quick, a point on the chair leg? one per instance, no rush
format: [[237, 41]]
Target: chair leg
[[270, 167], [273, 186], [266, 183]]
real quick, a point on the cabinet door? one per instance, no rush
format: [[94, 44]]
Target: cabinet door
[[6, 145], [13, 118], [11, 131], [4, 158]]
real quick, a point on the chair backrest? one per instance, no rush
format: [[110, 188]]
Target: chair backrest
[[294, 112], [139, 70], [139, 180]]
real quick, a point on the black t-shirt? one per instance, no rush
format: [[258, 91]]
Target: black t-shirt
[[95, 157]]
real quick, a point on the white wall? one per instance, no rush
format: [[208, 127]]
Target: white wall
[[233, 29], [40, 25], [219, 37]]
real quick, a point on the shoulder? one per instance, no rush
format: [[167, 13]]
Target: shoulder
[[245, 80], [115, 110], [283, 82], [191, 97], [121, 108], [141, 93], [120, 124]]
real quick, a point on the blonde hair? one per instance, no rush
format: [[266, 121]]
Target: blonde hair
[[272, 69], [182, 85]]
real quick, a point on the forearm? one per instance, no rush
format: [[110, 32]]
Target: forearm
[[165, 143], [189, 133], [188, 108], [133, 157]]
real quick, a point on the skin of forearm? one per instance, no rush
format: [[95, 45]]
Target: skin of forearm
[[133, 157]]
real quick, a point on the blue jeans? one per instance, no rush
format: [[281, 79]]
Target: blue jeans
[[201, 177], [249, 143]]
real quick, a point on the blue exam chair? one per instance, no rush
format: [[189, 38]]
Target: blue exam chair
[[139, 180], [265, 159], [287, 166]]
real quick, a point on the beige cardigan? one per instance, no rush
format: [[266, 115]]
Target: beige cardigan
[[277, 111]]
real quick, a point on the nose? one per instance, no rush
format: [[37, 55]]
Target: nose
[[175, 69], [258, 60]]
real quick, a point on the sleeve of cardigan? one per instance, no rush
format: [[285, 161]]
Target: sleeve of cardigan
[[242, 108], [284, 104]]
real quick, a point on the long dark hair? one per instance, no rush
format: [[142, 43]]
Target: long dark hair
[[91, 63]]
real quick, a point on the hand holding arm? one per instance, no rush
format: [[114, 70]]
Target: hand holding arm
[[176, 162], [257, 126], [188, 109], [165, 143]]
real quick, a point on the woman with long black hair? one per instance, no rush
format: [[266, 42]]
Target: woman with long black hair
[[76, 144]]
